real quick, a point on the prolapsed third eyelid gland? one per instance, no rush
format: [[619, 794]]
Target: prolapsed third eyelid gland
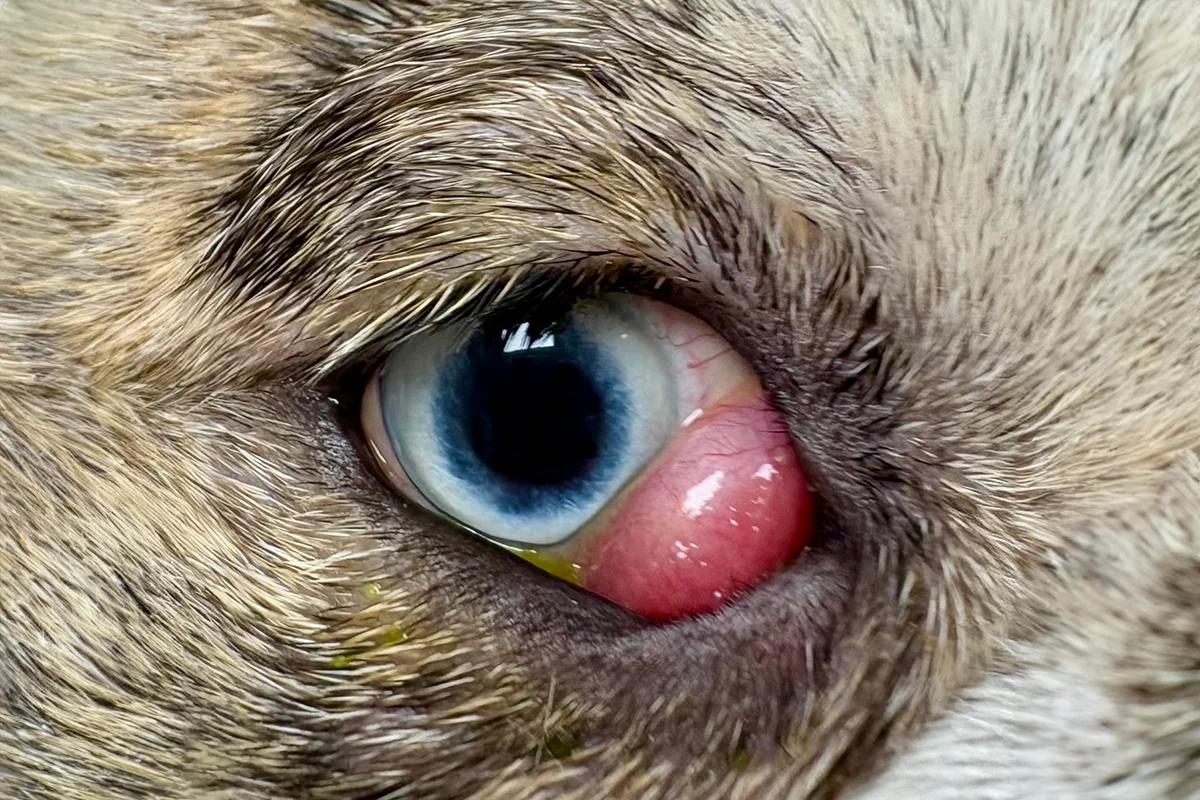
[[724, 506]]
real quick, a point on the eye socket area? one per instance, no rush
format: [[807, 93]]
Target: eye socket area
[[625, 447]]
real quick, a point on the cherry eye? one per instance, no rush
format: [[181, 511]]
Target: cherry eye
[[625, 447]]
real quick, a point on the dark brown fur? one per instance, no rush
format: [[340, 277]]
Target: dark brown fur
[[958, 240]]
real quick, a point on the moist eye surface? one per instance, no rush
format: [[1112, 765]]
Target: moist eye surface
[[525, 436], [624, 446], [534, 424]]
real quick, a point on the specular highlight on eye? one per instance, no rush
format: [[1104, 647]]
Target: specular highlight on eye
[[626, 447]]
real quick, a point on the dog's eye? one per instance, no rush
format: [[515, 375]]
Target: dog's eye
[[625, 446]]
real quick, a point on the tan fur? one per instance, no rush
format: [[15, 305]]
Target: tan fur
[[958, 240]]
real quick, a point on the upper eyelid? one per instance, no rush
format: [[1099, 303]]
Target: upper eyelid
[[534, 292]]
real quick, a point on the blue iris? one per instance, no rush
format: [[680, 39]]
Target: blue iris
[[535, 424]]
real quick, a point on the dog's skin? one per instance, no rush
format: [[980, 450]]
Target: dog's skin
[[958, 240]]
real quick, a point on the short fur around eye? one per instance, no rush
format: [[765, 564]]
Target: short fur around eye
[[958, 242]]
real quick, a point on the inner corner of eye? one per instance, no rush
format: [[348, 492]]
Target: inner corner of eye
[[627, 448]]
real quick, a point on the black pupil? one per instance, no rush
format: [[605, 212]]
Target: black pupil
[[533, 414]]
